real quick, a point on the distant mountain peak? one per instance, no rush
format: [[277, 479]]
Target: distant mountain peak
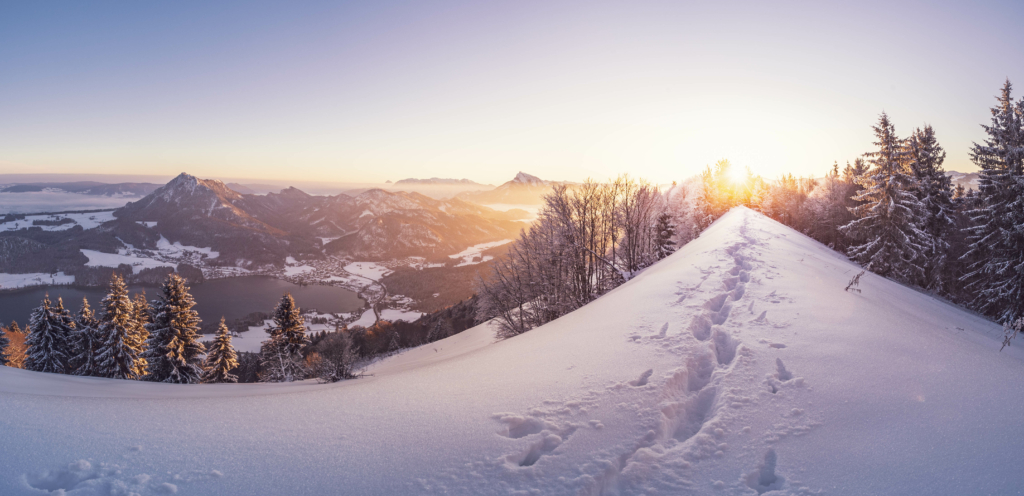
[[525, 178]]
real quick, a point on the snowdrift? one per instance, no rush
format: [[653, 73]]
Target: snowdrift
[[736, 366]]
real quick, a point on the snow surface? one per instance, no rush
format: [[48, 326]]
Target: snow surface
[[13, 281], [123, 256], [736, 366], [388, 314], [469, 255], [87, 221], [368, 270], [175, 250]]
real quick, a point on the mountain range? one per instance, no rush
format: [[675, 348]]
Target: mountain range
[[264, 229], [524, 189]]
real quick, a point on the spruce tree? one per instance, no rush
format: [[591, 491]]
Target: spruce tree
[[5, 343], [996, 251], [175, 353], [85, 341], [119, 355], [143, 316], [48, 342], [934, 191], [887, 228], [281, 355], [221, 359], [664, 232]]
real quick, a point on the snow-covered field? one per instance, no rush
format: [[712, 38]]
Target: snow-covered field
[[13, 281], [474, 254], [368, 270], [740, 347], [58, 201], [123, 256], [87, 221], [167, 254], [388, 314]]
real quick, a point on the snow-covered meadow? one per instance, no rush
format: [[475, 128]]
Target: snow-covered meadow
[[86, 220], [739, 365]]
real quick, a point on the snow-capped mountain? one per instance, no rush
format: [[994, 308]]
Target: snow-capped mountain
[[267, 228], [524, 189], [379, 223], [738, 365]]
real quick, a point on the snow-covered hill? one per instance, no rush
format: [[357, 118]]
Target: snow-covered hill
[[739, 365]]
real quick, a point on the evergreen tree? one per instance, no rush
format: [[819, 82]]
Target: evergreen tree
[[934, 191], [289, 325], [221, 359], [891, 241], [85, 341], [119, 355], [143, 316], [664, 232], [48, 341], [175, 353], [5, 343], [997, 237], [281, 356]]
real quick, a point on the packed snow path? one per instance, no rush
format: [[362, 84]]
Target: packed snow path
[[736, 366]]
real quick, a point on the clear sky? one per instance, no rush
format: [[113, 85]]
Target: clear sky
[[371, 91]]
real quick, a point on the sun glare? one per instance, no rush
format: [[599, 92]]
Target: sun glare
[[737, 174]]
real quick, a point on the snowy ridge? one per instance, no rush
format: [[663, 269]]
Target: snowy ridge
[[736, 366]]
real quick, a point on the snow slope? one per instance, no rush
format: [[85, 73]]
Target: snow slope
[[736, 366]]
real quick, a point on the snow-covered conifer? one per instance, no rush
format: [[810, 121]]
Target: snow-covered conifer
[[48, 341], [221, 359], [887, 235], [289, 325], [143, 316], [85, 341], [119, 352], [934, 191], [664, 232], [174, 352], [997, 236], [280, 356]]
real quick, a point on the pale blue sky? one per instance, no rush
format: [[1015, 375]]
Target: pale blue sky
[[371, 91]]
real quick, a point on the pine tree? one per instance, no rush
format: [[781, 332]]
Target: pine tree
[[934, 191], [119, 355], [221, 359], [5, 343], [48, 341], [664, 232], [891, 241], [280, 356], [143, 316], [85, 341], [997, 236], [175, 353]]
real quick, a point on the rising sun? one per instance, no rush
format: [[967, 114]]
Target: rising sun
[[737, 175]]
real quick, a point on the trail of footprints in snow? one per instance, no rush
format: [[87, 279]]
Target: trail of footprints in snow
[[690, 397]]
